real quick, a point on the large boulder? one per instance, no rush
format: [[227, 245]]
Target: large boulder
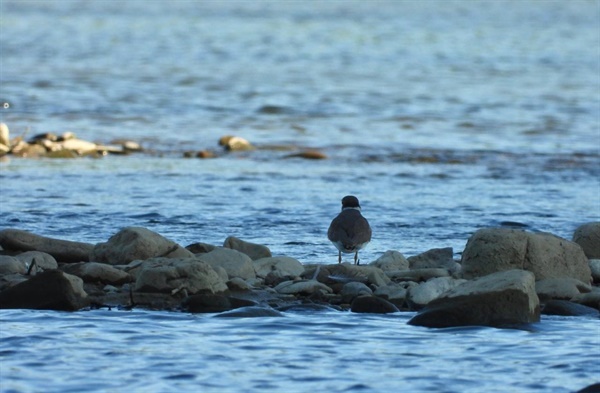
[[434, 258], [235, 263], [280, 266], [492, 250], [565, 288], [136, 243], [37, 261], [62, 250], [167, 275], [254, 251], [499, 299], [11, 265], [49, 290], [421, 295], [588, 237]]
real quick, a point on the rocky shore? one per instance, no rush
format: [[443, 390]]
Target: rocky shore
[[505, 277]]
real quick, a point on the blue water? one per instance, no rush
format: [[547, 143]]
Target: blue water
[[443, 117], [101, 351]]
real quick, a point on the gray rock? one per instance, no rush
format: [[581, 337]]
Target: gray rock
[[168, 275], [560, 288], [354, 289], [237, 284], [499, 299], [434, 258], [421, 295], [417, 275], [595, 268], [590, 299], [346, 272], [4, 135], [136, 243], [390, 261], [49, 290], [254, 251], [279, 266], [11, 265], [200, 248], [62, 250], [94, 272], [567, 308], [213, 303], [10, 280], [588, 237], [372, 305], [235, 263], [304, 287], [40, 260], [547, 256], [395, 293]]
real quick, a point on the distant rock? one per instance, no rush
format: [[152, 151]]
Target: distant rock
[[250, 312], [136, 243], [303, 287], [235, 143], [49, 290], [308, 154], [372, 305], [499, 299], [187, 275], [4, 135], [391, 261], [62, 250], [235, 263], [254, 251], [588, 237], [547, 256]]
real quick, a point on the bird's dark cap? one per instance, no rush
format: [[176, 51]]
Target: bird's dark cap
[[350, 201]]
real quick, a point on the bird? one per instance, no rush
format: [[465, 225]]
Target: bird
[[349, 231]]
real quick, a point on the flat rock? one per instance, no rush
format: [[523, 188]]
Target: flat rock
[[417, 275], [98, 272], [560, 288], [136, 243], [588, 237], [279, 266], [253, 250], [372, 305], [346, 272], [49, 290], [304, 287], [235, 263], [62, 250], [499, 299], [492, 250]]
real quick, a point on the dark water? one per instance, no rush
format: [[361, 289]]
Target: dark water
[[441, 116]]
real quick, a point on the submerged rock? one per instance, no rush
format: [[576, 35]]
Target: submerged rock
[[567, 308], [213, 303], [498, 299], [372, 305]]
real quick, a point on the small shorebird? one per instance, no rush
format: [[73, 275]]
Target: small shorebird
[[349, 231]]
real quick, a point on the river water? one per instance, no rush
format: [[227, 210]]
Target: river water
[[441, 116]]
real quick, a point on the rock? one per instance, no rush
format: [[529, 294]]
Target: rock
[[588, 237], [235, 143], [434, 258], [308, 154], [373, 305], [590, 299], [10, 280], [567, 308], [210, 303], [78, 146], [4, 135], [346, 272], [250, 312], [421, 295], [595, 269], [560, 288], [62, 250], [235, 263], [11, 265], [254, 251], [167, 275], [237, 284], [4, 150], [417, 275], [136, 243], [547, 256], [278, 266], [395, 292], [95, 272], [49, 290], [593, 388], [40, 260], [499, 299], [352, 290], [304, 287], [390, 261], [200, 248]]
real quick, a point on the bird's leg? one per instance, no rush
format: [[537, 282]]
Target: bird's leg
[[356, 261], [339, 257]]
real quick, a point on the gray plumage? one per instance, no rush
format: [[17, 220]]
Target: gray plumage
[[349, 231]]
